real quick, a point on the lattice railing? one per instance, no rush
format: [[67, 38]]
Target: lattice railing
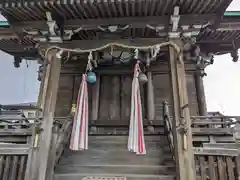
[[216, 167], [168, 126], [14, 161]]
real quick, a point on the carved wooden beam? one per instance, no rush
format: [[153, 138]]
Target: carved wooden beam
[[92, 44], [228, 26], [161, 69]]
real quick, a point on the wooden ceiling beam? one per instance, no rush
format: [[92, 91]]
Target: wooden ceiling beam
[[133, 22], [92, 44], [89, 44], [229, 26], [222, 43]]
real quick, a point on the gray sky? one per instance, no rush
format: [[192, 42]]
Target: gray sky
[[17, 84], [222, 84]]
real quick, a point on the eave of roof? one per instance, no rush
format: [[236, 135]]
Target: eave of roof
[[27, 46], [4, 24], [35, 10]]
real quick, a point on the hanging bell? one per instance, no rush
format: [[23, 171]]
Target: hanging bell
[[142, 78], [91, 77]]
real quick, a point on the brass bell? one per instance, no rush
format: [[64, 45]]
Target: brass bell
[[142, 78]]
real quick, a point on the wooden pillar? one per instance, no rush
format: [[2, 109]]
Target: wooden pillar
[[150, 97], [33, 171], [114, 106], [52, 152], [95, 99], [49, 99], [185, 165], [237, 161], [202, 106]]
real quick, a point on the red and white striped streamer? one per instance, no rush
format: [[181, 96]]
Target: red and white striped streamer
[[79, 136], [136, 141]]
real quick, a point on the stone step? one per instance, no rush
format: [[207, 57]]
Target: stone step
[[115, 169], [106, 176]]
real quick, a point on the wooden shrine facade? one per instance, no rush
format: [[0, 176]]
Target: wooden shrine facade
[[180, 135]]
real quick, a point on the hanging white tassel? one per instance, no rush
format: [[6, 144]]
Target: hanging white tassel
[[136, 141], [79, 136]]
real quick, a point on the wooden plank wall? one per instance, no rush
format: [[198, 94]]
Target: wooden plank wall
[[115, 94], [162, 92], [65, 95], [115, 97]]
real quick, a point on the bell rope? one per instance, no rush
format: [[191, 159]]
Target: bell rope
[[79, 136], [136, 141]]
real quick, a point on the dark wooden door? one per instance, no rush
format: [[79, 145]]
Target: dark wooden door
[[115, 97]]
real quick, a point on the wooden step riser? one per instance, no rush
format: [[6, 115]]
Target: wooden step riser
[[119, 147], [113, 169], [118, 160], [114, 152], [124, 139], [129, 177]]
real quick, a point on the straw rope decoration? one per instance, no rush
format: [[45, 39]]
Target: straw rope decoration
[[154, 46]]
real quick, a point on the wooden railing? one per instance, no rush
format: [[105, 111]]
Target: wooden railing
[[63, 133], [14, 161], [60, 137], [19, 161], [213, 160], [212, 167], [168, 126], [16, 146]]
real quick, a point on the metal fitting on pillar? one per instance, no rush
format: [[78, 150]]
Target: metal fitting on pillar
[[182, 128]]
